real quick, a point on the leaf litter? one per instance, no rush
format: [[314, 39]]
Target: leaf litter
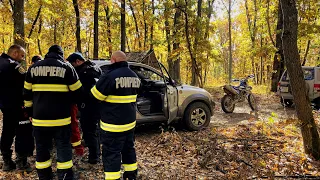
[[252, 148]]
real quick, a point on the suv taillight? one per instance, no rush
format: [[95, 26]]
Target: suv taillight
[[316, 87]]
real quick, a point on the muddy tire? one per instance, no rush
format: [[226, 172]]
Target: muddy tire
[[197, 116], [227, 104], [252, 102]]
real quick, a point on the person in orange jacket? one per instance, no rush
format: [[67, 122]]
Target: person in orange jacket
[[76, 135]]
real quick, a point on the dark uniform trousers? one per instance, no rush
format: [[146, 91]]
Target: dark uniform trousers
[[117, 147], [16, 125], [61, 136], [89, 125]]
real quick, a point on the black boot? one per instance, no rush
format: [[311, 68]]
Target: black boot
[[8, 164], [22, 164], [130, 175]]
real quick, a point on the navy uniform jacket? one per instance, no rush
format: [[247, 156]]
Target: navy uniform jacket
[[88, 74], [117, 89], [12, 75], [51, 87]]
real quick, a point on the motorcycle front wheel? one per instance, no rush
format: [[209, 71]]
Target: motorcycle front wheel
[[227, 104], [252, 102]]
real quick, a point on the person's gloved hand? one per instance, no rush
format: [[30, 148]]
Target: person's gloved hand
[[79, 150]]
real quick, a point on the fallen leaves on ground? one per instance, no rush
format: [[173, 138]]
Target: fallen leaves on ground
[[268, 146]]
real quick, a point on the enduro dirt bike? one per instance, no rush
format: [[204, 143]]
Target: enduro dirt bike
[[236, 94]]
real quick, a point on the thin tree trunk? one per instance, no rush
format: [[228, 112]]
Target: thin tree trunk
[[96, 30], [136, 24], [123, 26], [145, 24], [268, 23], [35, 22], [168, 35], [39, 35], [55, 32], [306, 53], [278, 61], [108, 15], [308, 126], [152, 22], [252, 30], [196, 72], [230, 43], [18, 22], [78, 37], [176, 44]]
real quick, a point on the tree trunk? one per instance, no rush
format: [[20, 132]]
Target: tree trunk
[[252, 27], [268, 23], [78, 37], [55, 32], [168, 38], [35, 22], [230, 42], [195, 68], [123, 26], [39, 35], [309, 130], [278, 64], [107, 10], [261, 59], [176, 44], [18, 22], [96, 30], [306, 53], [136, 24], [152, 22], [145, 24]]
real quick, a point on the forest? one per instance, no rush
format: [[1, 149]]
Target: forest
[[201, 36]]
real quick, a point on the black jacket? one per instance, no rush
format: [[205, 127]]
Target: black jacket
[[88, 75], [51, 87], [117, 91], [12, 75]]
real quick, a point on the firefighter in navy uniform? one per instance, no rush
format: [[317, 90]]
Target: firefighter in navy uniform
[[117, 91], [51, 87], [90, 115], [12, 76]]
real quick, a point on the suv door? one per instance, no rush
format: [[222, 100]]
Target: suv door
[[171, 96]]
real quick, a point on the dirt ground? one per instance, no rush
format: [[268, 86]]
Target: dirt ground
[[242, 145]]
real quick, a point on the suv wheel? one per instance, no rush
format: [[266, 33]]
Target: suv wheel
[[197, 116]]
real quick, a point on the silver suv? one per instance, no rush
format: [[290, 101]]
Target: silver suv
[[161, 99], [312, 82]]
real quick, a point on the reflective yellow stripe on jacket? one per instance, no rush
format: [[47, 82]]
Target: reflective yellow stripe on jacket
[[112, 175], [117, 128], [27, 85], [51, 123], [97, 94], [75, 86], [43, 165], [50, 87], [130, 167], [121, 99], [28, 103]]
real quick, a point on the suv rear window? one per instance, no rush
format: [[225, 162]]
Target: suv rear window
[[308, 75]]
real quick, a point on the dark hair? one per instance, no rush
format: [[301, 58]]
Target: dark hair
[[36, 59], [14, 48], [74, 56]]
